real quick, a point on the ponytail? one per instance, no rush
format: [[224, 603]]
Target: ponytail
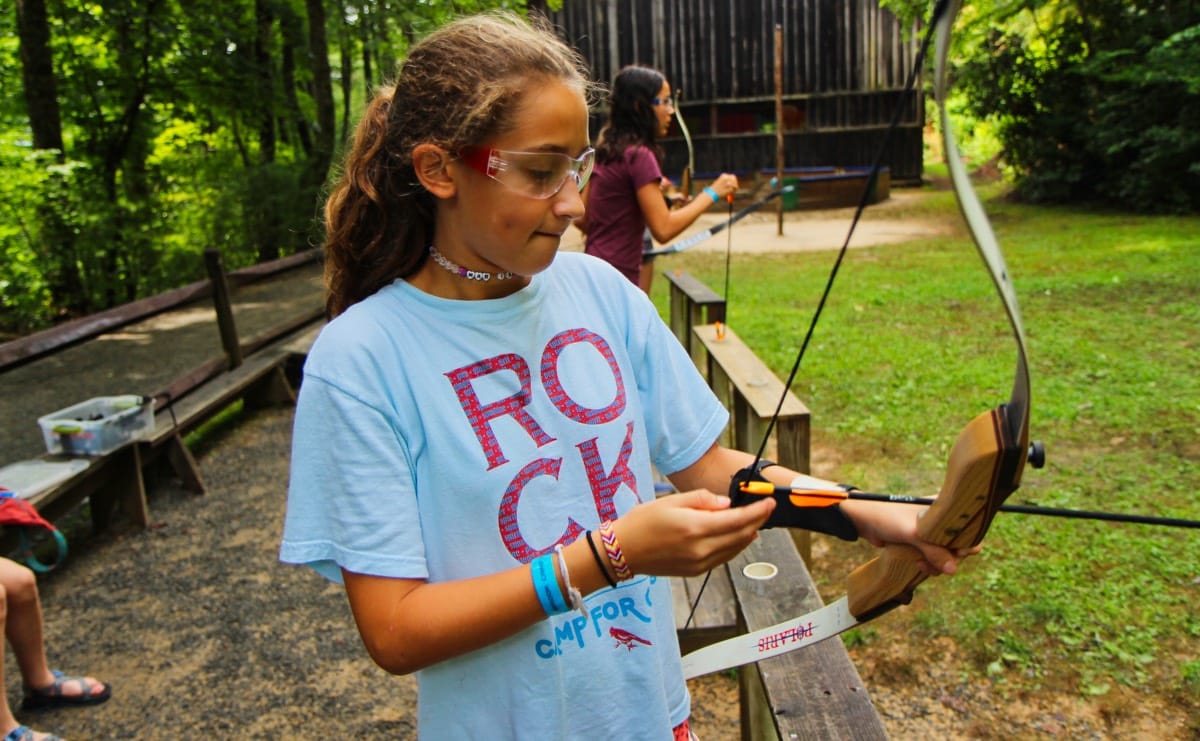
[[377, 219]]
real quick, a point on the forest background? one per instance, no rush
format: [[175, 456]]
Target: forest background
[[135, 134]]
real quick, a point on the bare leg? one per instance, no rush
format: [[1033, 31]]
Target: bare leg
[[10, 574], [21, 616], [23, 622], [647, 275]]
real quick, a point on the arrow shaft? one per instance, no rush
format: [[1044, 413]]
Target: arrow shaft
[[835, 496]]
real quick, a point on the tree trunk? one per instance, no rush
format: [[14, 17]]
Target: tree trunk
[[266, 89], [322, 90], [290, 28], [37, 70], [345, 48], [55, 245]]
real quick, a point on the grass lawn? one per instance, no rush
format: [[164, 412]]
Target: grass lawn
[[914, 343]]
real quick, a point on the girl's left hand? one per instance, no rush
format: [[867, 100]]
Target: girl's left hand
[[896, 524]]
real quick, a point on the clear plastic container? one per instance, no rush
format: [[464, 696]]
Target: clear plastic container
[[98, 426]]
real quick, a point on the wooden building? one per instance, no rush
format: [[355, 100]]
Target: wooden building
[[844, 68]]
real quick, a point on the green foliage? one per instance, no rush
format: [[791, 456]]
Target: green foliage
[[24, 293], [187, 125], [1102, 106], [1190, 673], [913, 344]]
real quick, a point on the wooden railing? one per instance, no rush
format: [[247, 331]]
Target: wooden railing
[[39, 344], [814, 692]]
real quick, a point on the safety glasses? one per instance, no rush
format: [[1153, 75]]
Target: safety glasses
[[533, 174]]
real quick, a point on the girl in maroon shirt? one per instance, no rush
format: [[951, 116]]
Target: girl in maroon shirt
[[625, 195]]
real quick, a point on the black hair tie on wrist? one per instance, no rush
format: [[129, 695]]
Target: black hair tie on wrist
[[599, 562]]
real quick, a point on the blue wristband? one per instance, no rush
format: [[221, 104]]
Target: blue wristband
[[708, 191], [545, 583]]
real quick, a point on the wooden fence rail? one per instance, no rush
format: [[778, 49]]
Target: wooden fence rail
[[811, 693], [39, 344]]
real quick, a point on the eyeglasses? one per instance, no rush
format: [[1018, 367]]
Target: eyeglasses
[[533, 174], [663, 101]]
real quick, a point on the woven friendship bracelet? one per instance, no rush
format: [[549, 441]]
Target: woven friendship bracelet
[[615, 555]]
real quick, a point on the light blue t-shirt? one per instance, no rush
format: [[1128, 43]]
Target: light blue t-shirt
[[441, 439]]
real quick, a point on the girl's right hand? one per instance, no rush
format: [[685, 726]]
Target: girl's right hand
[[726, 185], [688, 534]]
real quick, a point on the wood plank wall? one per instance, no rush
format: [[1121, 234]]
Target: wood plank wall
[[846, 63]]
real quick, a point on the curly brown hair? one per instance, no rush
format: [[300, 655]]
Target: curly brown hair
[[458, 87]]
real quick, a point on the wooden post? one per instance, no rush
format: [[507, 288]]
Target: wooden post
[[779, 124], [692, 303], [224, 307]]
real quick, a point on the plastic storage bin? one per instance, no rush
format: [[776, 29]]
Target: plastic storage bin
[[97, 425]]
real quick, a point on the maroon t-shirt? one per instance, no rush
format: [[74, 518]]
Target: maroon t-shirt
[[615, 221]]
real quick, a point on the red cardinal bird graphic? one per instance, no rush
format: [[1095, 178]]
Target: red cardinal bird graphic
[[627, 639]]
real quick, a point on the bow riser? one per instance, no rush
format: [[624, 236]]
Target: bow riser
[[984, 468]]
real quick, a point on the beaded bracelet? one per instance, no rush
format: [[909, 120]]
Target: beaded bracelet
[[615, 555], [599, 561], [545, 584], [574, 596]]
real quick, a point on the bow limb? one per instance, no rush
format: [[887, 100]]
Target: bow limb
[[685, 181], [988, 458]]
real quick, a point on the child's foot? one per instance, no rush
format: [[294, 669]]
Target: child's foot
[[25, 733], [65, 690]]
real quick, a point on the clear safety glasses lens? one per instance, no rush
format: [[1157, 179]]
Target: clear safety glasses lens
[[534, 174]]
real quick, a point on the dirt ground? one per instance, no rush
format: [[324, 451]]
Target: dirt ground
[[204, 634]]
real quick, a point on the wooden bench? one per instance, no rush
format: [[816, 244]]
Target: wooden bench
[[123, 476], [260, 371], [262, 379], [105, 481]]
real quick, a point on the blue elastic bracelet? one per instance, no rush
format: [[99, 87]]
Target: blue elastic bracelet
[[546, 585], [708, 191]]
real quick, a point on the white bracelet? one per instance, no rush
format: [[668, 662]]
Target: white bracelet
[[574, 596]]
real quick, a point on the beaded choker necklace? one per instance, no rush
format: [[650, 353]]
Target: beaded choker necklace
[[462, 272]]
